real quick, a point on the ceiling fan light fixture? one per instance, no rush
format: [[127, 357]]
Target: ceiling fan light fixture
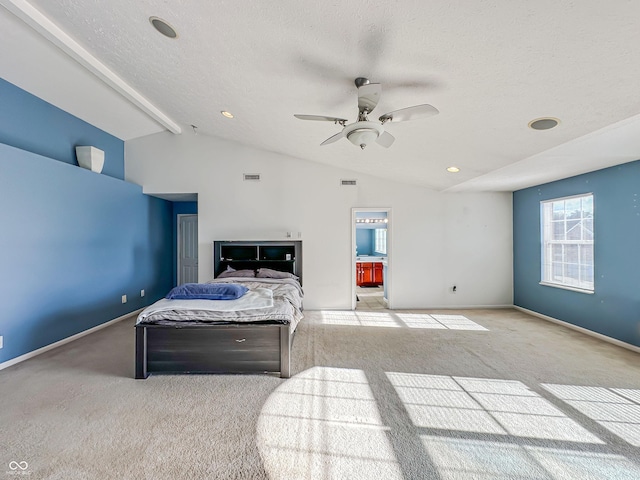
[[362, 137], [362, 134]]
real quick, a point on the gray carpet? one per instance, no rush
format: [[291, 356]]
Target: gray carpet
[[474, 394]]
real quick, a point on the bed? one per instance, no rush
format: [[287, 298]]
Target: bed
[[253, 334]]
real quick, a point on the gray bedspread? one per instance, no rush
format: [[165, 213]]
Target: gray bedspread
[[286, 309]]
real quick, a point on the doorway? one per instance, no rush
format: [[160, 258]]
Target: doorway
[[187, 248], [371, 258]]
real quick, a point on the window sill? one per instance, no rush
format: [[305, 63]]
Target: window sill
[[567, 287]]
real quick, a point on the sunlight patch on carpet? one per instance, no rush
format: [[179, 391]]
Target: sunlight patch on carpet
[[329, 423], [458, 458], [487, 406], [435, 321], [563, 463], [362, 319], [398, 320], [616, 409], [324, 423]]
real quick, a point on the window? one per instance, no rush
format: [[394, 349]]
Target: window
[[567, 242], [380, 245]]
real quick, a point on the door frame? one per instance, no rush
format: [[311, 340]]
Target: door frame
[[179, 241], [387, 279]]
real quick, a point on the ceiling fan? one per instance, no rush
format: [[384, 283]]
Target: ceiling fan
[[363, 132]]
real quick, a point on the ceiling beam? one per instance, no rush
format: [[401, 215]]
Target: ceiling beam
[[54, 34]]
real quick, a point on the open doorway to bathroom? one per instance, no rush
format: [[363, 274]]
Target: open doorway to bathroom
[[371, 240]]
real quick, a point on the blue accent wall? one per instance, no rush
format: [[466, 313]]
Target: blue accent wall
[[31, 124], [73, 241], [614, 308], [364, 241]]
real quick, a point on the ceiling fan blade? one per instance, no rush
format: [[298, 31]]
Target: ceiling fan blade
[[321, 118], [409, 113], [368, 96], [386, 139], [332, 139]]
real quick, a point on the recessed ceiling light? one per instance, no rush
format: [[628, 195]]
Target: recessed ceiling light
[[453, 169], [544, 123], [227, 114], [163, 27]]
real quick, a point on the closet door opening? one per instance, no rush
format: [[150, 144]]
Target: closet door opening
[[187, 249]]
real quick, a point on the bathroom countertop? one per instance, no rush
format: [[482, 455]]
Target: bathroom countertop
[[370, 258]]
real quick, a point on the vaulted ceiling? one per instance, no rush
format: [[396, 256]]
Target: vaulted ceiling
[[489, 67]]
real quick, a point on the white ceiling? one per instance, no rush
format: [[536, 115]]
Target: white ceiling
[[490, 67]]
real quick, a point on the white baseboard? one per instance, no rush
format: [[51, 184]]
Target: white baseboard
[[64, 341], [600, 336]]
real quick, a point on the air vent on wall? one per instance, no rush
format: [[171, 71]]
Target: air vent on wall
[[252, 176], [348, 182]]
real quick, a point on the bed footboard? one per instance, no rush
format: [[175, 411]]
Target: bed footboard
[[141, 352], [213, 349]]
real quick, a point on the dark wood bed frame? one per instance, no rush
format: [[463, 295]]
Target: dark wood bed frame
[[226, 348]]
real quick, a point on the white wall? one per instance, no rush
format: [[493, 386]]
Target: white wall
[[437, 239]]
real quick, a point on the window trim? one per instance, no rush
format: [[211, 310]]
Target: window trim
[[567, 287], [543, 245], [375, 241]]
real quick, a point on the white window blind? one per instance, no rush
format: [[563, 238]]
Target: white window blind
[[567, 242]]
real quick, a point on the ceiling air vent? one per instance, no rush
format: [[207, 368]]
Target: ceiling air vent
[[348, 182], [252, 176]]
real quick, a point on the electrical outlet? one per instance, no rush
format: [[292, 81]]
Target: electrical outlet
[[124, 299], [1, 341], [142, 293]]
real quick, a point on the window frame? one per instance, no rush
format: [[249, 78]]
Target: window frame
[[380, 245], [548, 263]]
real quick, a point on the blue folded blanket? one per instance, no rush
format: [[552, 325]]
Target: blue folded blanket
[[207, 291]]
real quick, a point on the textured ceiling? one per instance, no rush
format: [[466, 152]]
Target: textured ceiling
[[489, 67]]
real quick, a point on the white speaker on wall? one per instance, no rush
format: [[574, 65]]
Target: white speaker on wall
[[91, 158]]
